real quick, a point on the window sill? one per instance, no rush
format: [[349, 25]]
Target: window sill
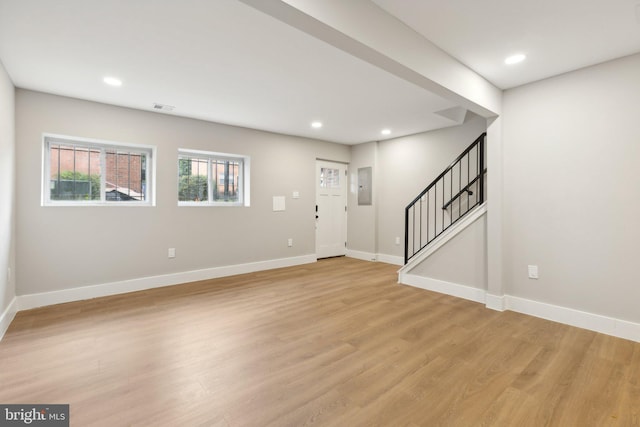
[[212, 205], [98, 204]]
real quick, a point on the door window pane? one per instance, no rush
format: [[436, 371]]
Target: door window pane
[[329, 178]]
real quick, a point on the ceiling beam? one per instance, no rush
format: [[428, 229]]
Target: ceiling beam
[[362, 29]]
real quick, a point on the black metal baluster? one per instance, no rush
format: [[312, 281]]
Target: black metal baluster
[[450, 195], [420, 226], [427, 207], [459, 188], [468, 180], [443, 189], [413, 232], [481, 173]]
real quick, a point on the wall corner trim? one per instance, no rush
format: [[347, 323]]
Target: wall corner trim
[[26, 302], [495, 302], [7, 316]]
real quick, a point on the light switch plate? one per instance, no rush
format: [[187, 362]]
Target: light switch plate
[[278, 203]]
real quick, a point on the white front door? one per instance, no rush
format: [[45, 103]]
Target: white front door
[[331, 209]]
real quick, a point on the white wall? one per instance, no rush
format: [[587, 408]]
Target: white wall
[[7, 193], [67, 247], [572, 187], [402, 167], [462, 260], [361, 235], [406, 166]]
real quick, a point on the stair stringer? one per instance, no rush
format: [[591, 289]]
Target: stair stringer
[[404, 274]]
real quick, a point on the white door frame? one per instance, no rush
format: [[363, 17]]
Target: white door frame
[[331, 233]]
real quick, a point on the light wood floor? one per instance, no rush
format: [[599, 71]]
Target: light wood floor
[[337, 342]]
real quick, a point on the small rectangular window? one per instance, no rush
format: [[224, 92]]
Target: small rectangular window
[[212, 179], [90, 172]]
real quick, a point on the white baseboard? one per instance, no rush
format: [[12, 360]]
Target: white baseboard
[[370, 256], [26, 302], [568, 316], [453, 289], [390, 259], [581, 319], [365, 256], [495, 302], [7, 316]]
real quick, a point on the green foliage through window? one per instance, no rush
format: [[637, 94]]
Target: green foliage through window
[[71, 185], [193, 188], [210, 178]]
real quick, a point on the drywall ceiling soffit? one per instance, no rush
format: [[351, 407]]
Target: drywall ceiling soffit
[[366, 31]]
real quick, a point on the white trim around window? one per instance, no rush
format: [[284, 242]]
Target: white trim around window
[[92, 172], [207, 178]]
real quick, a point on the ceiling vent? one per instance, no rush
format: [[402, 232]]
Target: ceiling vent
[[163, 107]]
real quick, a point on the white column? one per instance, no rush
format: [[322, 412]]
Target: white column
[[494, 194]]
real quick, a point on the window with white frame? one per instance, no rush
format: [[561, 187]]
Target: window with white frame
[[91, 172], [212, 179]]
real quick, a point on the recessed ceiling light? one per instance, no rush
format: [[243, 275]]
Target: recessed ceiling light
[[112, 81], [514, 59], [316, 125], [386, 131]]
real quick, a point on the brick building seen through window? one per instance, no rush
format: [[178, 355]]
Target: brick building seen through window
[[76, 172]]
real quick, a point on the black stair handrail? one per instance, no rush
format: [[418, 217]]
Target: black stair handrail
[[473, 183], [465, 189]]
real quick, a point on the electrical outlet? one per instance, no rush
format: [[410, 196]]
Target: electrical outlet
[[290, 242], [533, 271], [172, 252], [397, 240]]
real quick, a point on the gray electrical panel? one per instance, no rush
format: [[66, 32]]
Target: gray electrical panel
[[364, 186]]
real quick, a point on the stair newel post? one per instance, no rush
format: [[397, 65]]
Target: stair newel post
[[406, 234]]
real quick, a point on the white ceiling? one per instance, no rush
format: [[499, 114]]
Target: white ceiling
[[556, 35], [226, 62], [219, 60]]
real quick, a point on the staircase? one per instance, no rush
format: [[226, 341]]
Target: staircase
[[450, 199]]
